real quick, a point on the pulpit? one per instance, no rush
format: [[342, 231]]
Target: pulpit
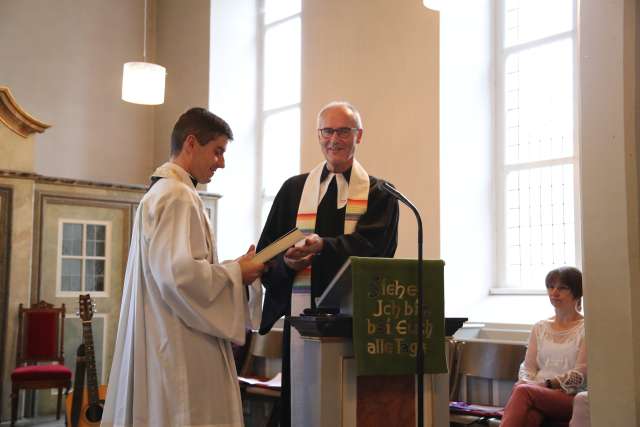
[[358, 364]]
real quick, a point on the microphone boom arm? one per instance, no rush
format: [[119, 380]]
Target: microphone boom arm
[[420, 355]]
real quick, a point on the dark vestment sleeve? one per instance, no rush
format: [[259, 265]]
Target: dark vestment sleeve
[[376, 235], [278, 279]]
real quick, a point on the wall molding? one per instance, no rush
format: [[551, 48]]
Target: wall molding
[[6, 198], [42, 179], [17, 119]]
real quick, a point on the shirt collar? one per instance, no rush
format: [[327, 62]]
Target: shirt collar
[[174, 170], [325, 173]]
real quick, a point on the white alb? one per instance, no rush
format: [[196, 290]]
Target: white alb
[[181, 308], [556, 354]]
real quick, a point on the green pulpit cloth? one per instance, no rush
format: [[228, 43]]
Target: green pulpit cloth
[[385, 307]]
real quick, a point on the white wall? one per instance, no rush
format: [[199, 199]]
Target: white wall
[[466, 179], [233, 97], [384, 59], [610, 225], [63, 62]]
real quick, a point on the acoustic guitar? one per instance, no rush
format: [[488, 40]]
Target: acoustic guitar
[[73, 414], [93, 396]]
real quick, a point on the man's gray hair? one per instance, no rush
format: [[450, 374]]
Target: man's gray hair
[[344, 104]]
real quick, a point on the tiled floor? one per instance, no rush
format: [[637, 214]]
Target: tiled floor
[[49, 421]]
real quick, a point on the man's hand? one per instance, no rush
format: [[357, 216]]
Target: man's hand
[[294, 261], [313, 243], [250, 270], [299, 256]]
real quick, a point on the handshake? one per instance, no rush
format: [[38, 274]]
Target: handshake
[[300, 255]]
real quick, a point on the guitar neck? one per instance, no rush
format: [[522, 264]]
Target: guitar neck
[[92, 376]]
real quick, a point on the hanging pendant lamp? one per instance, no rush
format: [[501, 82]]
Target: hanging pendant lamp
[[433, 4], [143, 82]]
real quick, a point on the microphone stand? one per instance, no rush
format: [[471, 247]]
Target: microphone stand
[[420, 355]]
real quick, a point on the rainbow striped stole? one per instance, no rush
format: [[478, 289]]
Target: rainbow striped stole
[[306, 222], [355, 209], [308, 208]]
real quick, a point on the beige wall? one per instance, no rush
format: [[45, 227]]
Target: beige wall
[[384, 59], [16, 152], [63, 62], [19, 274], [33, 256], [609, 77], [632, 145], [183, 48]]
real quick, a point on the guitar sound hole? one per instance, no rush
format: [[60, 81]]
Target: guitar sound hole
[[94, 413]]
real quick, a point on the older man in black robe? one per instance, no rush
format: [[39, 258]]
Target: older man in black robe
[[342, 210]]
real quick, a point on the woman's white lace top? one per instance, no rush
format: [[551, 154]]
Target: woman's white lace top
[[556, 354]]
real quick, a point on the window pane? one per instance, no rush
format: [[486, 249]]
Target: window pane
[[280, 149], [100, 232], [71, 273], [71, 239], [275, 10], [282, 65], [540, 231], [528, 20], [91, 232], [95, 240], [539, 103], [94, 275]]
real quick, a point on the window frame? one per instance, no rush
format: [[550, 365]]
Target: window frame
[[502, 169], [107, 258]]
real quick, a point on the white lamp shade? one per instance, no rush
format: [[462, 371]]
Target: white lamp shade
[[143, 83], [433, 4]]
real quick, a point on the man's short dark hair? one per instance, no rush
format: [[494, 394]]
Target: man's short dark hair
[[202, 124], [571, 277]]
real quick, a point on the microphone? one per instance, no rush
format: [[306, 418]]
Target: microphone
[[385, 186]]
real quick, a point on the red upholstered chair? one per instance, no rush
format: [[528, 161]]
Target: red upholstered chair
[[40, 339]]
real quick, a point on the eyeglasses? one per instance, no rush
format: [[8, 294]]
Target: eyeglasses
[[341, 132]]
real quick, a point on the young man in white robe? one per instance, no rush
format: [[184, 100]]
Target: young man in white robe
[[181, 308]]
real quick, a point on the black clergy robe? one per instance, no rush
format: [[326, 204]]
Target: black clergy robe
[[375, 235]]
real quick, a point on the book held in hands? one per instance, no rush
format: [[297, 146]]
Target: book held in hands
[[280, 245]]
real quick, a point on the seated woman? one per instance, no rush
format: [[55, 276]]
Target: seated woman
[[555, 365], [581, 414]]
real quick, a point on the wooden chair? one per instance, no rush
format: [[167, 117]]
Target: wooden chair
[[40, 339], [261, 348], [490, 361]]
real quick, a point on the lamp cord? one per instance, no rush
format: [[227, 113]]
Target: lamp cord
[[144, 43]]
